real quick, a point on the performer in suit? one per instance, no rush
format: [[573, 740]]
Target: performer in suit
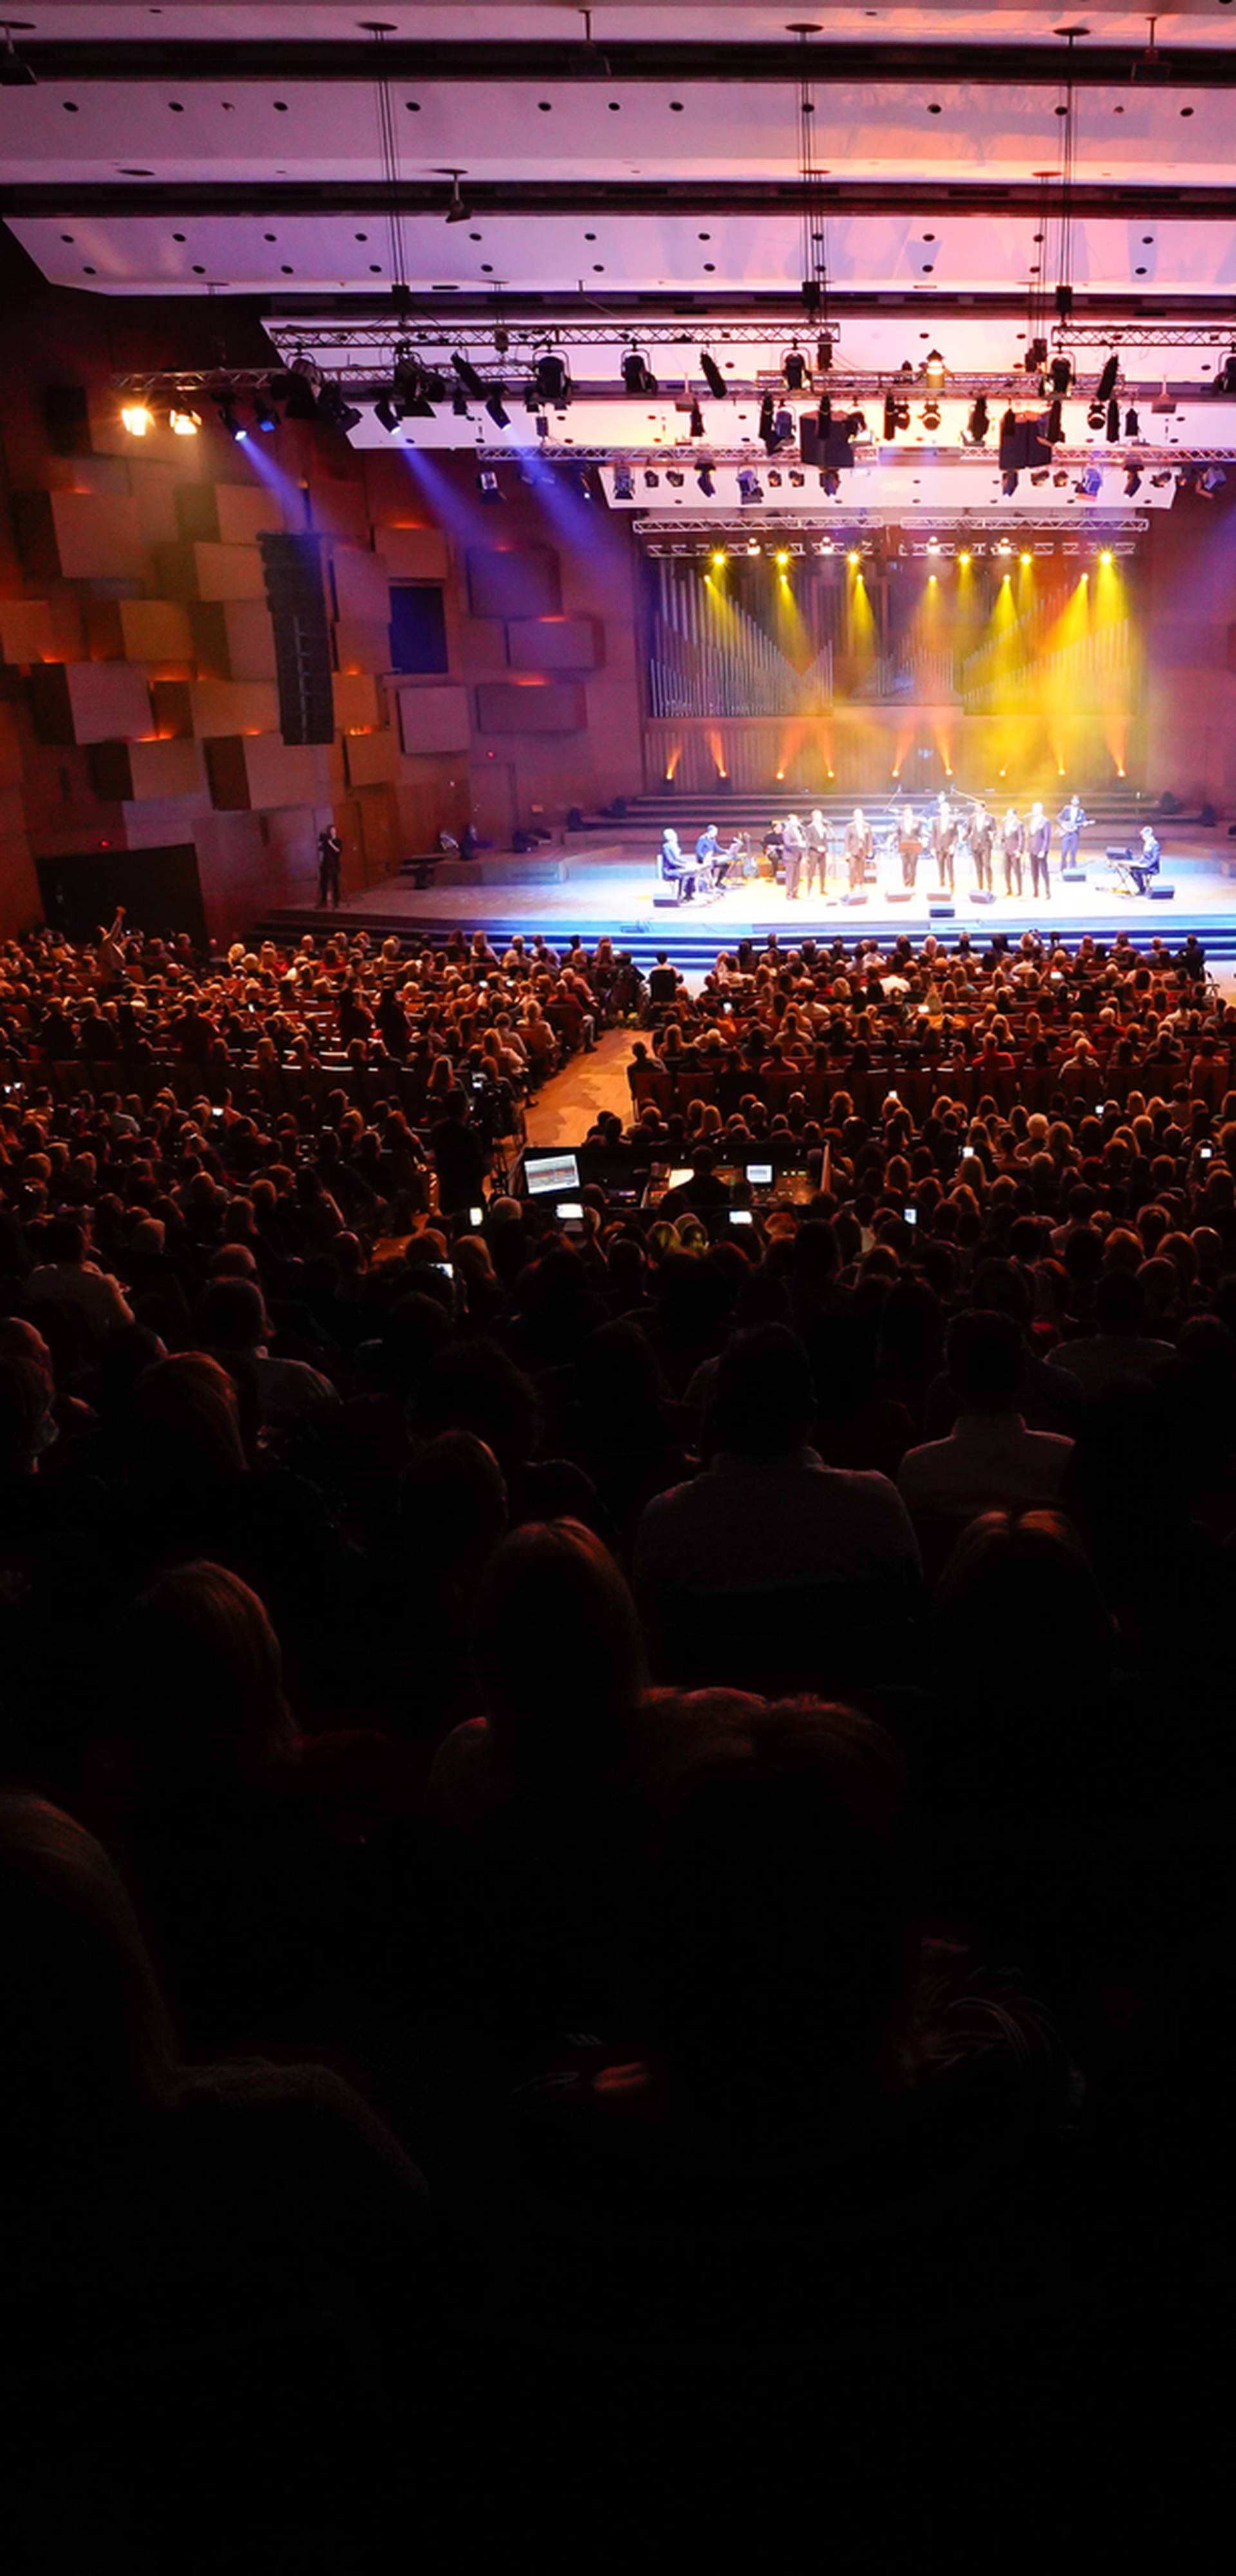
[[859, 848], [774, 850], [707, 846], [909, 849], [1013, 846], [982, 841], [1146, 864], [816, 864], [794, 843], [1070, 819], [1038, 844], [944, 842]]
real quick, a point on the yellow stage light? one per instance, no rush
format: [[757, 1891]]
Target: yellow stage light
[[719, 559], [783, 560], [851, 559], [137, 418], [1026, 559], [185, 424], [963, 559], [1105, 557]]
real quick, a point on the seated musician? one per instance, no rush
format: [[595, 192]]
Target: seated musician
[[675, 868], [731, 864], [774, 849], [1145, 864]]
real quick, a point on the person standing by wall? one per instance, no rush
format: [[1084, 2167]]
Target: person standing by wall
[[330, 854]]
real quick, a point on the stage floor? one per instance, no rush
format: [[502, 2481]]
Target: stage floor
[[616, 897]]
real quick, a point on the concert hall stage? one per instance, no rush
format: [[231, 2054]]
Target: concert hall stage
[[601, 891]]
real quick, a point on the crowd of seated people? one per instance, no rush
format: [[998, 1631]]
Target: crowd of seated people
[[577, 1812]]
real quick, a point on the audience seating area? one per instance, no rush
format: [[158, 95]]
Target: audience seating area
[[620, 1826]]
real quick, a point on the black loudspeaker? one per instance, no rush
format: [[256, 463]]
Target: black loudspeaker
[[296, 598], [1024, 445], [835, 448]]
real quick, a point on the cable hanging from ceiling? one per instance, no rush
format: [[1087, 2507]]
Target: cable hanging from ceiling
[[388, 153], [813, 266]]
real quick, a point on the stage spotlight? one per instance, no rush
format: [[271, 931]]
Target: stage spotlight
[[1039, 477], [673, 476], [637, 375], [1096, 415], [931, 415], [704, 478], [553, 384], [1061, 375], [1225, 381], [1025, 559], [933, 367], [225, 405], [784, 426], [719, 558], [1111, 419], [1035, 357], [299, 399], [488, 486], [978, 424], [1106, 555], [797, 478], [963, 558], [385, 414], [1008, 484], [1132, 425], [457, 212], [1132, 481], [824, 415], [794, 370], [495, 406], [781, 559], [1004, 548], [1060, 481], [459, 405], [1054, 429], [335, 409], [185, 424], [830, 482], [750, 488], [697, 421], [1159, 482], [823, 355], [933, 545], [624, 483], [890, 416], [136, 417], [774, 480], [1211, 481], [651, 478], [468, 377], [852, 560], [1091, 483], [768, 423], [1008, 423], [1108, 380], [264, 413], [712, 376]]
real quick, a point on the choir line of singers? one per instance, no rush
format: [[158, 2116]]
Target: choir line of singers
[[1016, 848]]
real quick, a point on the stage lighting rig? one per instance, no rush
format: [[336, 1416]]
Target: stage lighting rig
[[652, 480], [1108, 380], [226, 407], [637, 375], [1061, 374], [794, 370], [335, 409], [488, 485], [768, 423], [1132, 480], [830, 482], [979, 422], [697, 421], [136, 418], [704, 478], [712, 376], [1111, 419], [552, 381], [1132, 425], [890, 416], [1211, 481], [265, 415], [495, 406], [624, 483], [750, 488], [386, 415], [1009, 483]]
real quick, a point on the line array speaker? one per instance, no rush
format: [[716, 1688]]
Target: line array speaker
[[296, 598]]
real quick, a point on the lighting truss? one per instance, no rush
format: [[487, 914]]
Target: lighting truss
[[1067, 336]]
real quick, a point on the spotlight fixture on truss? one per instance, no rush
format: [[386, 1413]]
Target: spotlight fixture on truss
[[552, 380], [1109, 379], [697, 421], [624, 483], [457, 212], [1132, 480], [750, 488], [712, 376], [704, 478], [472, 383], [1009, 483], [637, 375], [495, 406], [488, 485], [794, 370], [335, 409], [225, 405], [979, 423]]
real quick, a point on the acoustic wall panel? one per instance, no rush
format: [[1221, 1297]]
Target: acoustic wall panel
[[550, 706], [361, 584], [555, 643], [89, 701], [434, 719], [27, 631], [412, 554], [514, 581]]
